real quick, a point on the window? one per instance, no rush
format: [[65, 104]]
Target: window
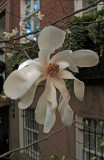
[[89, 133], [32, 22], [29, 133], [93, 132], [79, 4], [87, 3]]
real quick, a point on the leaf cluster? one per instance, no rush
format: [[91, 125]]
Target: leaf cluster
[[56, 157], [87, 32]]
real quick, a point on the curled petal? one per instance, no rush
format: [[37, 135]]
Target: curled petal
[[60, 85], [74, 68], [20, 81], [80, 58], [85, 58], [63, 65], [50, 118], [79, 86], [64, 56], [40, 111], [45, 110], [66, 113], [50, 38], [27, 99], [79, 89]]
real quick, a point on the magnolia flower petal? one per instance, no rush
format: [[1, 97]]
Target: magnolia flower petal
[[79, 86], [64, 56], [50, 38], [20, 81], [85, 58], [80, 58], [74, 68], [79, 89], [44, 57], [27, 99], [45, 110], [66, 113], [49, 118], [51, 105], [63, 65], [60, 85], [40, 111]]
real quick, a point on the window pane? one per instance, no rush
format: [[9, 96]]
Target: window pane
[[28, 3], [36, 23], [86, 140], [29, 132], [93, 132], [88, 2], [36, 5]]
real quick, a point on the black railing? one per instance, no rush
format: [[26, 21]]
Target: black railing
[[93, 132]]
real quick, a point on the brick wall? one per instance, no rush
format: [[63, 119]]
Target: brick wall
[[54, 10], [12, 14]]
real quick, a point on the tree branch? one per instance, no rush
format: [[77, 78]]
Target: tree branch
[[40, 140]]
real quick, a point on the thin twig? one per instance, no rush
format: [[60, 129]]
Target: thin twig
[[40, 140]]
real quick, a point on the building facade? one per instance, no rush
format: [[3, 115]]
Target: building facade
[[81, 140]]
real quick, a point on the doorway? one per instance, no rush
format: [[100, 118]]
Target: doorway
[[4, 129]]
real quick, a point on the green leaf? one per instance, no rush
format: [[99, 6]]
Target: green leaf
[[93, 158], [101, 142]]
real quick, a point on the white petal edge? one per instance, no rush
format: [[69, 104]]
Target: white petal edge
[[63, 65], [48, 119], [24, 64], [20, 81], [85, 58], [66, 113], [50, 38], [60, 85], [63, 56], [40, 111], [46, 106], [79, 86], [27, 99]]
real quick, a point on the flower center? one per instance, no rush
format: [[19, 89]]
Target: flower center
[[53, 69]]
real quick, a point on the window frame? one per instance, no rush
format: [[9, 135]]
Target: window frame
[[30, 16], [24, 132], [78, 4], [81, 151]]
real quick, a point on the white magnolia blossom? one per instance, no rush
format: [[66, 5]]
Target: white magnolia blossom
[[39, 15], [23, 83], [22, 25], [14, 32], [7, 35], [67, 31], [9, 55]]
